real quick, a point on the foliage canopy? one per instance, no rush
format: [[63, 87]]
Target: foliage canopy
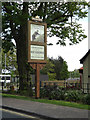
[[61, 19]]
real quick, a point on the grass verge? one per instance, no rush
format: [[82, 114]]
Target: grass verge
[[56, 102]]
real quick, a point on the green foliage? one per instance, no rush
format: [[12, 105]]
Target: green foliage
[[74, 74], [52, 92], [26, 92], [51, 76], [72, 95], [11, 62], [86, 99], [60, 68], [12, 92], [49, 69], [27, 89], [58, 64], [57, 93], [64, 72], [56, 15], [45, 92], [56, 69]]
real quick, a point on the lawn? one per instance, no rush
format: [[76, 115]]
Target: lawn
[[56, 102]]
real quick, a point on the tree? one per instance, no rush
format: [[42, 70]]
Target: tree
[[56, 14], [74, 74], [49, 70], [57, 69], [11, 62], [60, 68], [64, 72], [58, 64]]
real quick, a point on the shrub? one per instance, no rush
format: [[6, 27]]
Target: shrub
[[57, 94], [51, 95], [28, 92], [72, 96], [43, 93], [46, 90], [52, 92], [11, 92], [52, 76], [86, 99]]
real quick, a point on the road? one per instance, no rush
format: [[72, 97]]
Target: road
[[8, 114]]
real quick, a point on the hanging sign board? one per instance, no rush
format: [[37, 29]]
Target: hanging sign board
[[37, 46]]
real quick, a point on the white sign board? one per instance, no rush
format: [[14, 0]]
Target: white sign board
[[37, 52]]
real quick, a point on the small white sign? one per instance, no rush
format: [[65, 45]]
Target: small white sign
[[37, 52]]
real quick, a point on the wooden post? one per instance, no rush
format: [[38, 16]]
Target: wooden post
[[37, 67], [37, 82]]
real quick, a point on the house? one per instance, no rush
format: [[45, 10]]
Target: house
[[85, 71]]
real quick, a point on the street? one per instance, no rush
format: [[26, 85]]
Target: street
[[8, 114]]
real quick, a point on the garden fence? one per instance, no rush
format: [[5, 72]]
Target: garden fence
[[85, 87]]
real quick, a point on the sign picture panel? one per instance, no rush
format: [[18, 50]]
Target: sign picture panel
[[37, 33], [37, 52]]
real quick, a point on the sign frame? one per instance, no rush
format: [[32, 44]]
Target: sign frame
[[37, 43]]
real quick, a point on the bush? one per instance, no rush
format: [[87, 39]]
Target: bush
[[43, 93], [46, 90], [28, 92], [52, 92], [57, 94], [73, 96], [11, 92], [86, 99]]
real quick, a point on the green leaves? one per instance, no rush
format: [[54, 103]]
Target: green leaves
[[56, 15], [11, 62], [64, 72]]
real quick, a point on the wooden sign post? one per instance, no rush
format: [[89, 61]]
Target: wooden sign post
[[37, 49]]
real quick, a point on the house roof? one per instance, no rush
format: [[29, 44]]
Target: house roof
[[81, 68], [84, 57]]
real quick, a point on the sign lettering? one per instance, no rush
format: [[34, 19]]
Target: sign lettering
[[37, 52]]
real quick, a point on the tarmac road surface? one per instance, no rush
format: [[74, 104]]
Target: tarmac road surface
[[11, 115]]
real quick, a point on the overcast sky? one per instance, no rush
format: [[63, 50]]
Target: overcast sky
[[71, 54]]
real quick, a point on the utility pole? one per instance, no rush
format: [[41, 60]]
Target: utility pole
[[5, 62], [5, 71]]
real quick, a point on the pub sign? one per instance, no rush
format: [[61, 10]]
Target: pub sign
[[37, 42]]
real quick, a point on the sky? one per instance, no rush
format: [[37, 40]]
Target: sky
[[71, 54]]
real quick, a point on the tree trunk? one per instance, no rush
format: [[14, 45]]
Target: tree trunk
[[22, 50], [22, 62]]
